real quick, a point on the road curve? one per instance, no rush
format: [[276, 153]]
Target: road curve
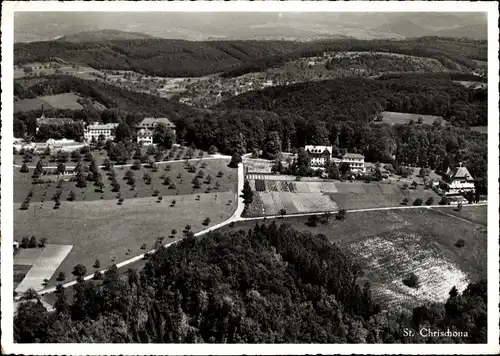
[[235, 217]]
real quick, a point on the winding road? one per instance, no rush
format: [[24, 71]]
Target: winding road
[[237, 217]]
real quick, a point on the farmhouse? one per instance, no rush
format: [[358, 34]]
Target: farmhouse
[[95, 130], [458, 181], [145, 137], [319, 156]]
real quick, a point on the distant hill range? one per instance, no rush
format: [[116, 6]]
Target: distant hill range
[[103, 35], [31, 27], [409, 28]]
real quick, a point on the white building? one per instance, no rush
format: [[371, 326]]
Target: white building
[[459, 181], [319, 156], [355, 161], [95, 130], [145, 137]]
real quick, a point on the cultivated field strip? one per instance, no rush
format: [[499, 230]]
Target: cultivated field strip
[[294, 203], [44, 267]]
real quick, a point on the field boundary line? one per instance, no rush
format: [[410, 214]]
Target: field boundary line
[[459, 218]]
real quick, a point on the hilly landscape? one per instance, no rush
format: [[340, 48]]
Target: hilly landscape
[[250, 177], [270, 26]]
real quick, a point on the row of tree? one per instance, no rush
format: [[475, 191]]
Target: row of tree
[[269, 284]]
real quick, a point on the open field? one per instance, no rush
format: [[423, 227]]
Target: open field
[[391, 244], [63, 101], [183, 185], [390, 117], [59, 101], [106, 231], [30, 105], [359, 195], [475, 214]]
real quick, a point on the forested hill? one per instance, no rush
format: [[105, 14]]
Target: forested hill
[[111, 96], [360, 99], [103, 35], [156, 57], [266, 285], [453, 53]]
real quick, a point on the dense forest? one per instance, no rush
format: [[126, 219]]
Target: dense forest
[[156, 57], [178, 58], [361, 99], [454, 54], [269, 284]]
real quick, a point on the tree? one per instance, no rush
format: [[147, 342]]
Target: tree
[[61, 168], [122, 132], [136, 165], [418, 202], [79, 270], [459, 206], [212, 150], [97, 263], [247, 193], [24, 168], [429, 201], [235, 160], [32, 243], [164, 136], [312, 220], [43, 242], [25, 242], [71, 196], [411, 281], [61, 276], [405, 201], [460, 243], [206, 222], [282, 212], [341, 215]]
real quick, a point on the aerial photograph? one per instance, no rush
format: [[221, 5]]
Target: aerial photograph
[[254, 178]]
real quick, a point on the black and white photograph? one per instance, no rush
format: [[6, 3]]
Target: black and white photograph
[[247, 177]]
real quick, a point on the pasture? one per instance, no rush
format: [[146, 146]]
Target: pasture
[[59, 101], [391, 244], [112, 233], [63, 101], [393, 118], [30, 105], [181, 182]]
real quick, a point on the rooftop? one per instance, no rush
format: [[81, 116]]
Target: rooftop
[[318, 149], [96, 126], [353, 155], [459, 173]]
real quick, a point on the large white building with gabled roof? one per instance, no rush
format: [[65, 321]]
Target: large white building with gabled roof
[[319, 156]]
